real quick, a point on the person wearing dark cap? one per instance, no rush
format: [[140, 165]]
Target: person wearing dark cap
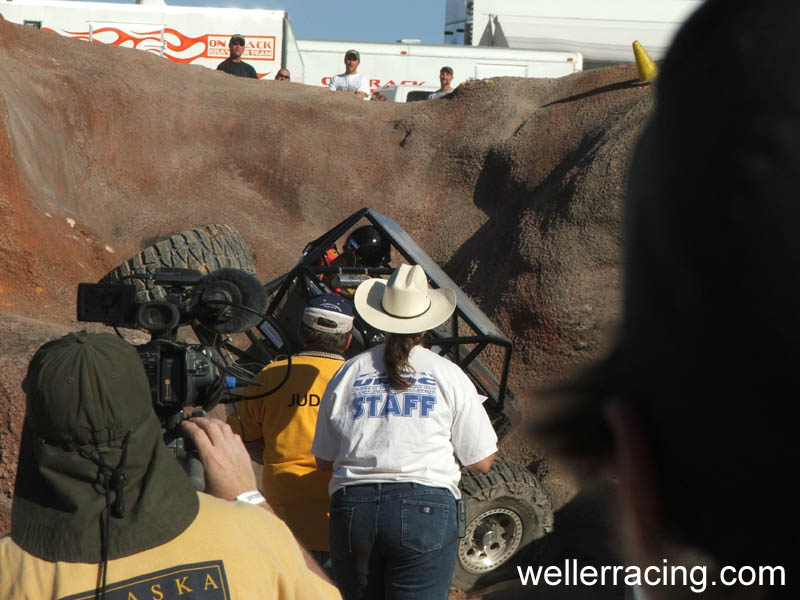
[[101, 509], [351, 81], [234, 63], [692, 410], [283, 423], [445, 79]]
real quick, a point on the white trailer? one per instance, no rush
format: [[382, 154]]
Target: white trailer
[[406, 63], [602, 30], [191, 35]]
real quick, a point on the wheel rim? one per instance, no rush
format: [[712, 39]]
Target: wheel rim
[[491, 539]]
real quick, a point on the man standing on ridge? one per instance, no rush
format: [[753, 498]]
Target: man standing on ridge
[[234, 63], [445, 78], [350, 80]]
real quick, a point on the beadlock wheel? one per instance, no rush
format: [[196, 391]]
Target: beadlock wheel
[[508, 513], [492, 538]]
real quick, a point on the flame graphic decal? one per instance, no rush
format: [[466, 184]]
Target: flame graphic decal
[[176, 46]]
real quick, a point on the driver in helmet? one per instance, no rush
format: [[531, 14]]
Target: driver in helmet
[[364, 247], [370, 248]]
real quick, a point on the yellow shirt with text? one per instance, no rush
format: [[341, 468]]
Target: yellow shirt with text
[[295, 488], [231, 551]]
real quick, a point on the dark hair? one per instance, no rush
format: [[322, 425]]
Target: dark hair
[[397, 347], [711, 331], [313, 339]]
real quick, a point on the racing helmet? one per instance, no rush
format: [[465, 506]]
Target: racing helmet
[[369, 246]]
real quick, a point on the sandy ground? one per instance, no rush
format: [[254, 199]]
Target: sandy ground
[[514, 186]]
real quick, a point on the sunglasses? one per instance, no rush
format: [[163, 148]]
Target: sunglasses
[[237, 43], [281, 76]]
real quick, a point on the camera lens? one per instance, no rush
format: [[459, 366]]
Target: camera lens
[[157, 316]]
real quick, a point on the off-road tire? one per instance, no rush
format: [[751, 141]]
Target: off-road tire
[[206, 249], [507, 510]]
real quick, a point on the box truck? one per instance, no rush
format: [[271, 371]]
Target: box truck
[[190, 35], [411, 63]]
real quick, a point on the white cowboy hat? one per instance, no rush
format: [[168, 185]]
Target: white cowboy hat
[[404, 303]]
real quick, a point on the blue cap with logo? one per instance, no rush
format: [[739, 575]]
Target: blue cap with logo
[[330, 313]]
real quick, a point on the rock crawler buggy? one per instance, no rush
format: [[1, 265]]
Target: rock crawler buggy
[[508, 510]]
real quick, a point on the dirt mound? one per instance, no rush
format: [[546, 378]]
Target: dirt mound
[[514, 185]]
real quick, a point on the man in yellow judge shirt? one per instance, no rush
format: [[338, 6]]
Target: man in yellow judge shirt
[[283, 423]]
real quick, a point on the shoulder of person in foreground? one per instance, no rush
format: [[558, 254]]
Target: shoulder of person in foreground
[[229, 476], [254, 531]]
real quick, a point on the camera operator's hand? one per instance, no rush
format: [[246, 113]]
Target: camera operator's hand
[[224, 457]]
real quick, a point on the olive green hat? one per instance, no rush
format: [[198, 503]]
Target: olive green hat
[[95, 481]]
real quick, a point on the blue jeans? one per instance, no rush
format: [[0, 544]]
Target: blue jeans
[[393, 540]]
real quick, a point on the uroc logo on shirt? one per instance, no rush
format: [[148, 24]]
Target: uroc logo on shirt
[[373, 399]]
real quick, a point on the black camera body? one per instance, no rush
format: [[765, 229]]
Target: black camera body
[[180, 374]]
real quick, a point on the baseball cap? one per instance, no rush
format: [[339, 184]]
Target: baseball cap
[[330, 313], [237, 37], [354, 53], [446, 69]]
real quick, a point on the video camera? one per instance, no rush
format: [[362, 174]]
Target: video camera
[[180, 374]]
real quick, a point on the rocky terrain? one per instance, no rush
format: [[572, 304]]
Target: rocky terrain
[[514, 186]]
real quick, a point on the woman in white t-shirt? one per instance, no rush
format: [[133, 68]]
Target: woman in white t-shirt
[[394, 424]]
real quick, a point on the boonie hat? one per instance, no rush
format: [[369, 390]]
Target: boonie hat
[[237, 37], [330, 313], [92, 458], [405, 303], [353, 53]]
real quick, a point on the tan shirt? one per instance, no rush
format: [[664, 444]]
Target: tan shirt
[[231, 551]]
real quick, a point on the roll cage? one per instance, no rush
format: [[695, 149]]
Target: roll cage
[[465, 337]]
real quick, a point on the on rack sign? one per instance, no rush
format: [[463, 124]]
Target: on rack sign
[[258, 47]]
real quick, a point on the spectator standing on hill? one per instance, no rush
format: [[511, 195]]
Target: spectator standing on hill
[[445, 78], [234, 63], [351, 81]]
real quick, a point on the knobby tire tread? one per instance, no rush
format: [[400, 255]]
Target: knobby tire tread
[[206, 249]]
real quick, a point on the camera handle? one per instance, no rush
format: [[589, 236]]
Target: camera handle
[[185, 451], [196, 471]]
